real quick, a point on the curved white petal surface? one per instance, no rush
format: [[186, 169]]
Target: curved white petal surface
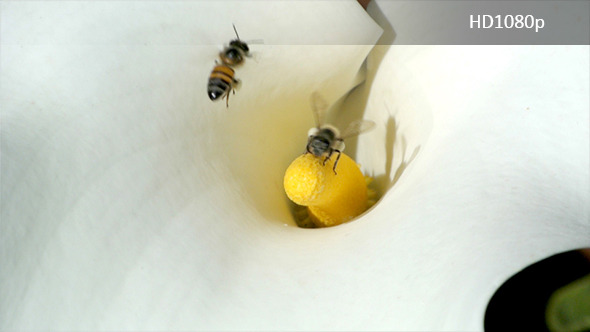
[[131, 201]]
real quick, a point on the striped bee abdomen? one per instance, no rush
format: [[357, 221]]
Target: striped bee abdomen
[[221, 81]]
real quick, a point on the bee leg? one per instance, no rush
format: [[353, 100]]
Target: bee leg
[[233, 90], [327, 157], [336, 162], [227, 99]]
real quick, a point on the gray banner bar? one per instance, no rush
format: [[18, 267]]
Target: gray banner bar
[[483, 22]]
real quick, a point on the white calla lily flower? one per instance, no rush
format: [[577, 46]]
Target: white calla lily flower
[[130, 201]]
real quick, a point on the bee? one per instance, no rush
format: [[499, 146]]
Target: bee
[[221, 79], [326, 139]]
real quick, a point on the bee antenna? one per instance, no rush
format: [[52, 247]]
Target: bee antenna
[[236, 31]]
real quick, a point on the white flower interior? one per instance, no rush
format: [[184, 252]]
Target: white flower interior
[[131, 201]]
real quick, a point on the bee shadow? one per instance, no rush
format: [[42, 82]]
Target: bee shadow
[[386, 181], [352, 105]]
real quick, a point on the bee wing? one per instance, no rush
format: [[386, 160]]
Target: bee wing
[[255, 42], [319, 107], [357, 127]]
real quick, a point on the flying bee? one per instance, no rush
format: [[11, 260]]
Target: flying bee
[[325, 139], [221, 79]]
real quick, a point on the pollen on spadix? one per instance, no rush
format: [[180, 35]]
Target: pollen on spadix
[[331, 198]]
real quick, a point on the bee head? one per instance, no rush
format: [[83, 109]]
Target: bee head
[[240, 45], [318, 145]]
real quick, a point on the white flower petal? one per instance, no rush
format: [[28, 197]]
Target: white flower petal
[[131, 201]]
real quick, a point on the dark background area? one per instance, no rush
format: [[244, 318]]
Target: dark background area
[[520, 303]]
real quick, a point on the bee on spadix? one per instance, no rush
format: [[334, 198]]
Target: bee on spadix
[[326, 139]]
